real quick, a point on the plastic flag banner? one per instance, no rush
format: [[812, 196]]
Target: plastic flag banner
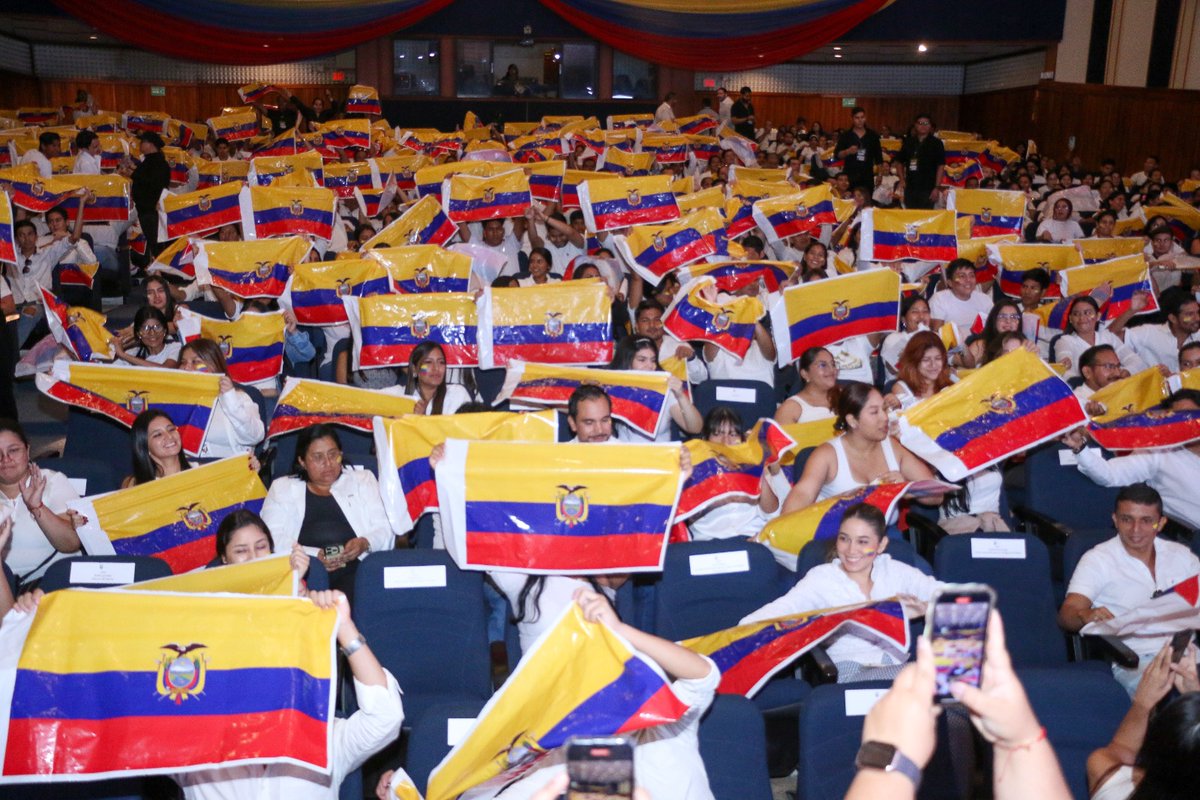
[[430, 180], [80, 330], [571, 509], [655, 250], [554, 323], [306, 402], [177, 259], [476, 198], [234, 127], [388, 327], [618, 121], [403, 446], [268, 576], [423, 222], [218, 173], [609, 204], [638, 398], [622, 162], [992, 212], [345, 134], [198, 212], [743, 194], [254, 92], [733, 276], [424, 268], [401, 167], [250, 269], [695, 315], [109, 201], [264, 171], [363, 100], [271, 211], [975, 249], [1166, 612], [546, 180], [1134, 419], [894, 235], [28, 190], [374, 200], [345, 179], [1127, 275], [316, 288], [1096, 250], [252, 344], [1006, 407], [135, 122], [711, 197], [8, 241], [823, 312], [721, 472], [572, 178], [1015, 259], [791, 214]]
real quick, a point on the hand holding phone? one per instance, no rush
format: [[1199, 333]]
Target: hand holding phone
[[957, 631], [600, 768], [1179, 643]]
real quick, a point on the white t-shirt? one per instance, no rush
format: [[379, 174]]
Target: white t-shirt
[[944, 305], [1155, 344], [1172, 473], [853, 359], [30, 547], [43, 164], [1060, 230]]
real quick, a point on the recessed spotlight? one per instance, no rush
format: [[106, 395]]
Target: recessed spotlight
[[93, 37], [921, 48], [837, 55], [837, 48]]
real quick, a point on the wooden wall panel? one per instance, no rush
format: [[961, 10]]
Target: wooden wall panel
[[894, 112]]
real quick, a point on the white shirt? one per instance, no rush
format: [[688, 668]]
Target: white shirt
[[78, 253], [948, 308], [170, 352], [375, 725], [562, 256], [35, 156], [1069, 345], [725, 109], [1172, 473], [30, 547], [754, 367], [357, 494], [828, 585], [844, 481], [731, 520], [234, 427], [1155, 344], [809, 412], [510, 247], [1061, 230], [664, 113], [558, 591], [86, 164], [27, 286], [1119, 785], [456, 395], [697, 370], [1110, 577]]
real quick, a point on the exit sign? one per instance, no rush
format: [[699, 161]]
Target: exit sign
[[849, 102], [339, 75], [158, 91], [710, 83]]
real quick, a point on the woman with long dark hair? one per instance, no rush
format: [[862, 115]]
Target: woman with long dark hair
[[153, 344], [818, 396], [235, 426], [641, 354], [427, 384], [157, 449]]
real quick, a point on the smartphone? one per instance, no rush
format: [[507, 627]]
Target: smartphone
[[599, 768], [333, 550], [1179, 644], [956, 627]]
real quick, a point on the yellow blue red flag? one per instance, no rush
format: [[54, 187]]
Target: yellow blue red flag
[[1127, 275], [271, 575], [173, 518], [402, 167], [121, 393], [285, 144], [169, 693], [578, 679], [200, 211], [316, 288], [749, 655], [743, 194], [250, 269], [666, 148], [265, 170], [546, 180], [565, 323], [403, 446], [571, 509], [109, 201], [992, 212], [431, 179], [1006, 407], [1096, 250], [27, 189], [136, 122], [387, 327], [363, 100], [711, 197], [1015, 259], [823, 312], [722, 471], [179, 258], [608, 204], [787, 215], [424, 268], [345, 134], [1134, 418], [625, 163], [345, 178], [959, 174], [475, 198], [8, 242], [695, 317], [80, 330], [234, 127], [306, 402], [218, 173], [273, 211], [618, 121], [895, 234], [696, 125], [34, 116], [572, 178], [254, 92], [655, 250], [252, 344], [733, 276], [637, 398], [423, 222]]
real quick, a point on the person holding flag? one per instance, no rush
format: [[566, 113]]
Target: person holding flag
[[235, 426], [1084, 329], [640, 353], [736, 516]]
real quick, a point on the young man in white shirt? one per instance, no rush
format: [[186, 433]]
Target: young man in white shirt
[[34, 270], [493, 235], [49, 146], [562, 240], [959, 303], [1159, 345], [87, 160]]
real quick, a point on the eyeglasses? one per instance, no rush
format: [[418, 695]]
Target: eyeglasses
[[321, 459], [153, 327], [12, 453], [1107, 366], [1010, 317]]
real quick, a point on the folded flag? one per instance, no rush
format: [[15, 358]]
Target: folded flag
[[721, 472], [749, 655], [172, 697], [388, 327], [374, 200], [254, 92], [958, 175], [609, 204], [1127, 275], [975, 249], [996, 157], [271, 211], [578, 679], [823, 312], [218, 173], [136, 122], [403, 447], [179, 259], [200, 211], [791, 214], [285, 144], [8, 241], [423, 222], [571, 510], [252, 344], [1137, 393], [1134, 418], [1166, 612], [1015, 259], [363, 100], [345, 178], [733, 276], [257, 268], [894, 234], [270, 576], [476, 198], [693, 317], [80, 330], [121, 393], [807, 435], [1181, 216], [638, 398], [28, 190], [308, 166], [546, 180], [316, 289], [961, 150], [743, 194], [655, 250], [306, 402], [1096, 250], [553, 323], [1006, 407], [39, 116], [992, 212], [345, 134], [694, 126], [234, 127], [113, 149], [424, 268]]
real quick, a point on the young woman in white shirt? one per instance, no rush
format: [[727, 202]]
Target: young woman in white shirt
[[151, 346], [817, 398], [1084, 330], [1060, 227], [427, 384], [641, 354], [923, 371], [235, 426], [735, 517]]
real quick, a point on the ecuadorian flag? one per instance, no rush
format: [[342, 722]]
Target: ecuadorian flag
[[1006, 407], [271, 575], [1015, 259], [218, 173], [1128, 274], [29, 190], [711, 197], [387, 327], [748, 655], [821, 313], [403, 446], [198, 212], [1134, 419], [638, 398], [666, 148], [271, 211], [1096, 250], [423, 222], [363, 100], [172, 696], [252, 344], [109, 201], [579, 678], [343, 179], [402, 167], [788, 215], [895, 234], [254, 92], [424, 268], [743, 194], [554, 323], [263, 171], [608, 204], [234, 127], [573, 178], [344, 134], [316, 288], [136, 122], [733, 276], [179, 258], [121, 393], [8, 249], [475, 198], [730, 325], [431, 179], [250, 269], [619, 121], [992, 212], [285, 144], [655, 250], [546, 180], [722, 471], [306, 402], [80, 330], [568, 510]]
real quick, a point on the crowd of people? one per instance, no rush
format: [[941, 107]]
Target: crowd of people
[[329, 511]]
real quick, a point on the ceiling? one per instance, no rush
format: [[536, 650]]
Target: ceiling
[[45, 28]]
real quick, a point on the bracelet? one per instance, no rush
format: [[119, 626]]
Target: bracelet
[[1025, 745], [359, 641], [38, 507]]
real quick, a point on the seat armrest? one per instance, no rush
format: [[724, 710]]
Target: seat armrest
[[816, 667], [1107, 648]]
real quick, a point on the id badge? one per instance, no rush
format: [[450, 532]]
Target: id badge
[[862, 155], [912, 165]]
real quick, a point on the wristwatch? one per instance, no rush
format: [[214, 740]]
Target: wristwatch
[[880, 755]]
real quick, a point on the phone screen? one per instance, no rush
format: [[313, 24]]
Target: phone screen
[[1179, 643], [600, 769], [958, 630]]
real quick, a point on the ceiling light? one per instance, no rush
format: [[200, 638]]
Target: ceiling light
[[93, 37], [837, 55], [921, 48], [837, 48]]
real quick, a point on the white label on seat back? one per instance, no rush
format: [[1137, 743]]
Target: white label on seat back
[[114, 572], [457, 729], [860, 701], [430, 577], [997, 548], [719, 563], [734, 394]]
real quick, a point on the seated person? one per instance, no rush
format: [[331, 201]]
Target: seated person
[[961, 302], [818, 394], [735, 516], [235, 426], [1099, 366], [1125, 572], [243, 536]]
